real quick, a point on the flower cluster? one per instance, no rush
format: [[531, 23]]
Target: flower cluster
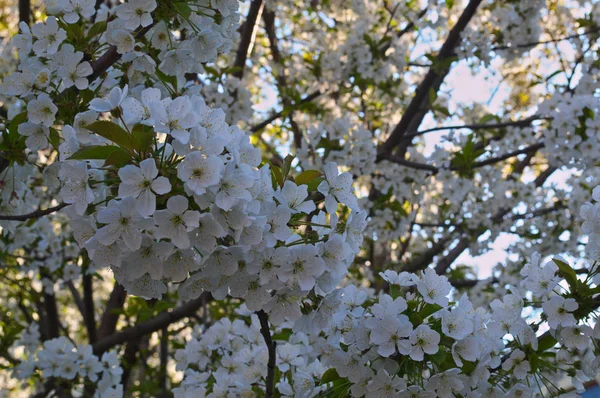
[[59, 358]]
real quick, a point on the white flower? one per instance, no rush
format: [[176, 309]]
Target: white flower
[[199, 172], [124, 41], [337, 188], [37, 135], [176, 221], [302, 268], [434, 288], [121, 220], [174, 117], [135, 111], [234, 187], [114, 99], [517, 362], [268, 263], [288, 355], [336, 254], [385, 386], [456, 324], [136, 13], [423, 340], [143, 184], [445, 383], [357, 222], [75, 189], [76, 74], [293, 197], [74, 8], [48, 35], [42, 110], [559, 311]]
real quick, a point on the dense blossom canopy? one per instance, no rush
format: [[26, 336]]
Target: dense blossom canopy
[[274, 198]]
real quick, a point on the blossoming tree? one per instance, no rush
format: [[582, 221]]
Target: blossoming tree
[[225, 199]]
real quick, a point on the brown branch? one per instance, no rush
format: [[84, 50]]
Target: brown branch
[[280, 78], [537, 43], [151, 325], [529, 149], [111, 56], [89, 316], [516, 123], [422, 166], [466, 240], [35, 214], [110, 317], [25, 11], [279, 114], [266, 333], [419, 106], [76, 298], [246, 37]]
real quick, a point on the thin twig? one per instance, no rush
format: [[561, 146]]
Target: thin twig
[[35, 214]]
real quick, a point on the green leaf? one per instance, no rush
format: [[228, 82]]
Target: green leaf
[[568, 273], [449, 4], [94, 152], [277, 176], [284, 335], [429, 309], [287, 165], [54, 138], [546, 342], [143, 137], [96, 29], [314, 184], [118, 158], [439, 357], [112, 132], [306, 177], [183, 9], [329, 376]]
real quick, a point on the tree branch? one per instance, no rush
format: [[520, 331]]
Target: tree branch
[[282, 85], [89, 316], [266, 333], [537, 43], [419, 105], [25, 11], [516, 123], [247, 35], [279, 114], [151, 325], [35, 214], [110, 317]]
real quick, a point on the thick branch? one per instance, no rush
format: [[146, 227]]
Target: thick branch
[[266, 333], [89, 316], [108, 59], [247, 37], [110, 317], [25, 11], [158, 322], [282, 84], [419, 105]]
